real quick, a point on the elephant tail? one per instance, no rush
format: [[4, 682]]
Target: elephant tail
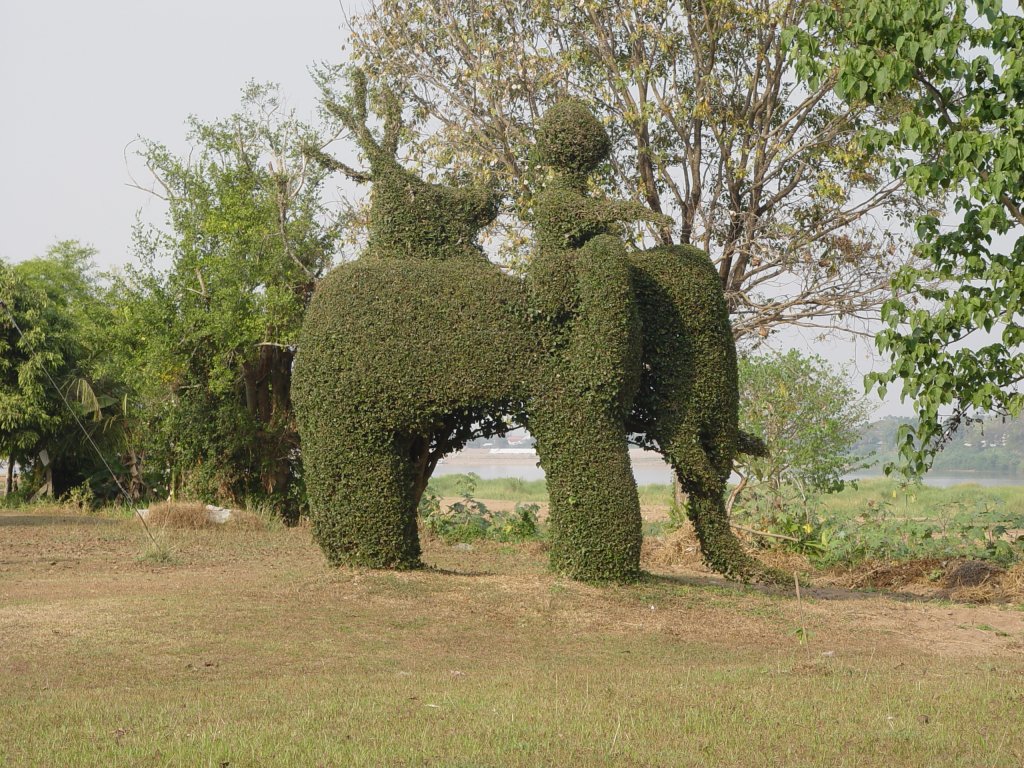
[[751, 445]]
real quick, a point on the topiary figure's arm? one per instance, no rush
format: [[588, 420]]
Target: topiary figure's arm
[[627, 210], [599, 215]]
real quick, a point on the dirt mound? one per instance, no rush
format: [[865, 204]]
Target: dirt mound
[[680, 550], [676, 549], [894, 576], [971, 573], [974, 581], [962, 581], [194, 515]]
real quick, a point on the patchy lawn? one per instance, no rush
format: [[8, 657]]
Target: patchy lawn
[[247, 650]]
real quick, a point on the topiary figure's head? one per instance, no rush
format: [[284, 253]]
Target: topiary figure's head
[[571, 139]]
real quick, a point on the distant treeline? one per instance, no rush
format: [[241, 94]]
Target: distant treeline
[[992, 446]]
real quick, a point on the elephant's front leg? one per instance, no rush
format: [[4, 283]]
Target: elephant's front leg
[[594, 509], [585, 390], [704, 485]]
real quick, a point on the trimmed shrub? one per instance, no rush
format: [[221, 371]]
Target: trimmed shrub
[[422, 343]]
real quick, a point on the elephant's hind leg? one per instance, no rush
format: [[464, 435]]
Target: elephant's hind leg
[[361, 502]]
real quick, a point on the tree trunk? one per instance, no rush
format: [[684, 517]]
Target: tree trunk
[[9, 487], [678, 496]]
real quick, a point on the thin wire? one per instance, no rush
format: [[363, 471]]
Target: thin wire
[[131, 502]]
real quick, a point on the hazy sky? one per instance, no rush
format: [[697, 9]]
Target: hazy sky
[[79, 81]]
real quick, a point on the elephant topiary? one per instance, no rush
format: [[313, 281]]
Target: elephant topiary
[[422, 343]]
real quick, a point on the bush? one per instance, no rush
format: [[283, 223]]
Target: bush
[[470, 520]]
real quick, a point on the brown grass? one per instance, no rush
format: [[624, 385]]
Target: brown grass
[[193, 516], [248, 650], [994, 586]]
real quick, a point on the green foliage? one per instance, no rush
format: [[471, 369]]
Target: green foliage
[[211, 337], [956, 67], [63, 309], [405, 356], [678, 517], [470, 520], [809, 418], [879, 521], [785, 511], [705, 121], [581, 283], [687, 401], [399, 360], [975, 530], [443, 222]]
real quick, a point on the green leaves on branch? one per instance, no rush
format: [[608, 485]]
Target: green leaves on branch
[[956, 70], [809, 417], [219, 299], [706, 125]]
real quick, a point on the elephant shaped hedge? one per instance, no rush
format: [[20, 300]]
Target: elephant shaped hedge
[[422, 343]]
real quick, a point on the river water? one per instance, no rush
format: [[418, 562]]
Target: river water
[[649, 468]]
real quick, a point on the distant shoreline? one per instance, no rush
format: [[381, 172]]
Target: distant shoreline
[[649, 467], [512, 455]]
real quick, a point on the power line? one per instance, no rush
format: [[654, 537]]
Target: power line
[[78, 421]]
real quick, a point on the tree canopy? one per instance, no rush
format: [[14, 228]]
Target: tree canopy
[[54, 348], [954, 328], [219, 297], [809, 416], [706, 124]]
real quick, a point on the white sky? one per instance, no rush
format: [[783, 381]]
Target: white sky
[[79, 81]]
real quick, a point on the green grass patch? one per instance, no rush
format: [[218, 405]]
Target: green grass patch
[[497, 489], [252, 651], [882, 520]]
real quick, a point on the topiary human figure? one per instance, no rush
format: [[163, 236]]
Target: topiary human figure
[[681, 400], [580, 283], [404, 353]]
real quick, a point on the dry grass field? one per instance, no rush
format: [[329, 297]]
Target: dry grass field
[[244, 649]]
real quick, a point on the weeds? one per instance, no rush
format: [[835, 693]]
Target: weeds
[[982, 530], [470, 520], [158, 552]]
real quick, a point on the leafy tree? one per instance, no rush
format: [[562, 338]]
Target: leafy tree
[[53, 371], [247, 238], [809, 417], [706, 124], [954, 342]]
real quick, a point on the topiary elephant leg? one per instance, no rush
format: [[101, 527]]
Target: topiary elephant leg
[[720, 548], [578, 418], [595, 514], [361, 501]]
